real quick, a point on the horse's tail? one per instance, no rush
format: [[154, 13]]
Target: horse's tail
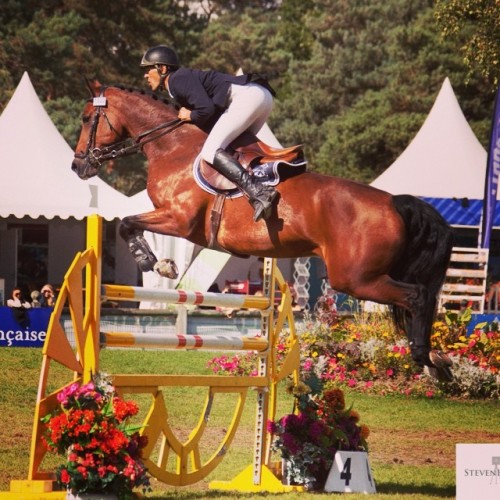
[[426, 256]]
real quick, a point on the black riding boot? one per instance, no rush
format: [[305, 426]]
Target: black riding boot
[[260, 197]]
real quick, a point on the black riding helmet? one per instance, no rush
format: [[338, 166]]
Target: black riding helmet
[[161, 54]]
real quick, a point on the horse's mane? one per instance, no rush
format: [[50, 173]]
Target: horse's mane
[[148, 93]]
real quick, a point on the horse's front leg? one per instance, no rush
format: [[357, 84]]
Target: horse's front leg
[[132, 228]]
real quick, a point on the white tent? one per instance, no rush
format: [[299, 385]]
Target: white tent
[[38, 189], [444, 160], [35, 168], [444, 164]]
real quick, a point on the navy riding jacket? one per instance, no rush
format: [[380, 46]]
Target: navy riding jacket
[[205, 93]]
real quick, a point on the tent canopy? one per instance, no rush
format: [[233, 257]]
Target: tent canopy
[[444, 164], [35, 168]]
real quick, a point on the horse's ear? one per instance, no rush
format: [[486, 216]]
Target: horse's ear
[[93, 86]]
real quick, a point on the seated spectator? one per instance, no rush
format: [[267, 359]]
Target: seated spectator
[[35, 298], [48, 298], [19, 308], [17, 300]]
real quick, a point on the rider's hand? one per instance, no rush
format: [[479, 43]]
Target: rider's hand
[[184, 114]]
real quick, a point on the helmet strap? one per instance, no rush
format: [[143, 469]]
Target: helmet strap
[[163, 77]]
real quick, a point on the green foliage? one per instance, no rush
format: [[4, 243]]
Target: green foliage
[[65, 113], [355, 80], [475, 25]]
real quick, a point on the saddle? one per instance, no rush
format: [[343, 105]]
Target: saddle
[[269, 165]]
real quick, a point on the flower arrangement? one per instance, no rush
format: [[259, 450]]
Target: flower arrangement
[[366, 353], [103, 451], [309, 437], [237, 364]]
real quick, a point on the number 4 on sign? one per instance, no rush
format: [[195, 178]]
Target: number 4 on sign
[[346, 475], [350, 473]]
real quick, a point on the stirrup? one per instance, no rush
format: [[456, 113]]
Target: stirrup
[[263, 208]]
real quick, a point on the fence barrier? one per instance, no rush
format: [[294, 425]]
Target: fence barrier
[[83, 292]]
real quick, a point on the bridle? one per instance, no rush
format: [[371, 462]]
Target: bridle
[[122, 147]]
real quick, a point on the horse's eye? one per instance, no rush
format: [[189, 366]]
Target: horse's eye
[[86, 118]]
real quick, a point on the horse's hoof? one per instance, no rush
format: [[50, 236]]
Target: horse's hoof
[[441, 368], [167, 268], [440, 359]]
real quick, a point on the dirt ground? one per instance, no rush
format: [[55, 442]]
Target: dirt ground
[[419, 448]]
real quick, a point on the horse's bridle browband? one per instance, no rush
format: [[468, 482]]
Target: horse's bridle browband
[[124, 147]]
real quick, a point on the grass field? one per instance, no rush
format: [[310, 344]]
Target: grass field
[[412, 441]]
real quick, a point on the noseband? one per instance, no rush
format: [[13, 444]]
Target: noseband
[[122, 147]]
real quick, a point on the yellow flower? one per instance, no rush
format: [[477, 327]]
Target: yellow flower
[[314, 354]]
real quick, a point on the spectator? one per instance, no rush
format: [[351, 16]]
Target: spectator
[[48, 298], [17, 301], [19, 308], [35, 298]]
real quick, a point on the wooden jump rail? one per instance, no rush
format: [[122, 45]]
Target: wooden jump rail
[[82, 292]]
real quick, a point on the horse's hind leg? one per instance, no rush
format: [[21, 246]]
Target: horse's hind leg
[[413, 310], [412, 302]]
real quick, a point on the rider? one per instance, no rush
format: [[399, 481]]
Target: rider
[[223, 104]]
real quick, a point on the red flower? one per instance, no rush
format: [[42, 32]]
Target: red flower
[[65, 477], [90, 430]]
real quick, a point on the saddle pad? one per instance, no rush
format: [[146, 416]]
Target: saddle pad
[[267, 174]]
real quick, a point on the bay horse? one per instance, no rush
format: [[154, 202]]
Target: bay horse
[[388, 249]]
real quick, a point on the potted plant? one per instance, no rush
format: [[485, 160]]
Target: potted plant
[[102, 450], [319, 426]]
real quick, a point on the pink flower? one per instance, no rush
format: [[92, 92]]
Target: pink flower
[[429, 394], [352, 382], [389, 372], [308, 364]]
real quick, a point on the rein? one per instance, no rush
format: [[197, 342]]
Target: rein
[[131, 145]]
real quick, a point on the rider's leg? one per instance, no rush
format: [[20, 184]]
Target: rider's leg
[[260, 197], [249, 107]]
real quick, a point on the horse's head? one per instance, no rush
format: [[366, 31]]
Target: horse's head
[[101, 128], [118, 122]]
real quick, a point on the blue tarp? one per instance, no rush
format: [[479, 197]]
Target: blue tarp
[[462, 211], [14, 332]]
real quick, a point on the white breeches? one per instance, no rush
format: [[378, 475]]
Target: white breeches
[[249, 107]]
